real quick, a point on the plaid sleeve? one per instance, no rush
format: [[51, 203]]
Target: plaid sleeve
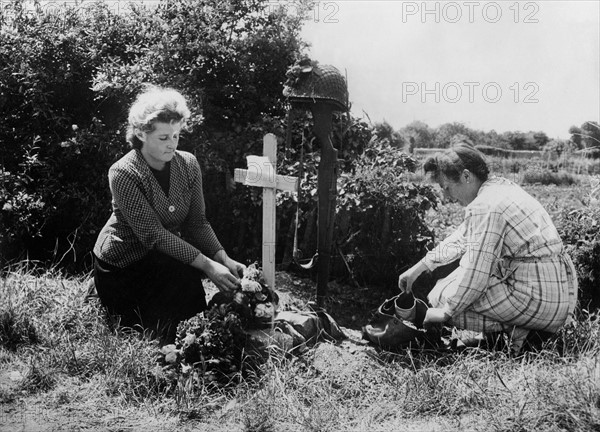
[[196, 227], [135, 208], [449, 250], [484, 239]]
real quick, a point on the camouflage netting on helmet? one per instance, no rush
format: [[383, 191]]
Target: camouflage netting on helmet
[[310, 82]]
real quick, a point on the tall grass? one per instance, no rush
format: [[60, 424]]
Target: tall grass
[[349, 386]]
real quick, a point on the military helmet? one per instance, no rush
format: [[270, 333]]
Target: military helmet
[[308, 81]]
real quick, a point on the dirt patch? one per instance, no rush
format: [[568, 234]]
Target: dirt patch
[[350, 306]]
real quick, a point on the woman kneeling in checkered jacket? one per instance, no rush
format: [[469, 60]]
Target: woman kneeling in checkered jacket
[[157, 244]]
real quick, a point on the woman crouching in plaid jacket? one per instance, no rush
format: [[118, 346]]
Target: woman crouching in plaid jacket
[[513, 273]]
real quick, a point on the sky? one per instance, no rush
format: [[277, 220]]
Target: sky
[[504, 65]]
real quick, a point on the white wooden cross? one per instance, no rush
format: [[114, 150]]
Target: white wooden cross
[[261, 172]]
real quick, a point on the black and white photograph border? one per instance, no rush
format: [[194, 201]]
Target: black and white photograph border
[[519, 79]]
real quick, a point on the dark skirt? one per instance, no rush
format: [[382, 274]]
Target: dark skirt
[[150, 295]]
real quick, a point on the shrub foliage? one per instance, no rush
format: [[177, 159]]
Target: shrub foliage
[[67, 79], [381, 215], [580, 232]]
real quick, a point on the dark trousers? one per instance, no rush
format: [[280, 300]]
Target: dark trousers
[[151, 295]]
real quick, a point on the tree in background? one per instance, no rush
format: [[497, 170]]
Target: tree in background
[[525, 140], [541, 139], [513, 140], [558, 148], [587, 138], [445, 134], [422, 135], [575, 132], [590, 134], [385, 131]]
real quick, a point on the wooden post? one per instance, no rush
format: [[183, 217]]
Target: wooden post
[[261, 172], [327, 192]]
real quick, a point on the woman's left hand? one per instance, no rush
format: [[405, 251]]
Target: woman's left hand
[[435, 316], [237, 269]]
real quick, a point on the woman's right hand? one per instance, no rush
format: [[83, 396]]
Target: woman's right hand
[[407, 279]]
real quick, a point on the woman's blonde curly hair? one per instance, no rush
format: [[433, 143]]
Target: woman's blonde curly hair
[[155, 104]]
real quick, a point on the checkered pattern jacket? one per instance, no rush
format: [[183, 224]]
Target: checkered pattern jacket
[[144, 218]]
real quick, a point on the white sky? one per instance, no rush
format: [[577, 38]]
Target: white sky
[[395, 53]]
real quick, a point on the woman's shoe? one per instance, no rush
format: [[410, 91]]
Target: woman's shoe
[[420, 312], [384, 312], [411, 309], [398, 321], [392, 334], [405, 306]]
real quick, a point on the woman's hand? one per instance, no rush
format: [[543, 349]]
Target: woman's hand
[[406, 279], [221, 276], [434, 316], [236, 268]]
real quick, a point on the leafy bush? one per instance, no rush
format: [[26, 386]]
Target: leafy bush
[[67, 78], [380, 226], [21, 215], [580, 230], [58, 140]]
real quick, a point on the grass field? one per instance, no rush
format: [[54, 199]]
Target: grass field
[[62, 369]]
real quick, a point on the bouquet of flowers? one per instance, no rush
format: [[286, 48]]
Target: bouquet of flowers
[[209, 346]]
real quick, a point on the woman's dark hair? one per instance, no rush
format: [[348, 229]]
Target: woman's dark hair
[[462, 155], [155, 104]]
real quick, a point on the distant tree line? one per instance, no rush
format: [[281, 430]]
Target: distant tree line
[[584, 139]]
